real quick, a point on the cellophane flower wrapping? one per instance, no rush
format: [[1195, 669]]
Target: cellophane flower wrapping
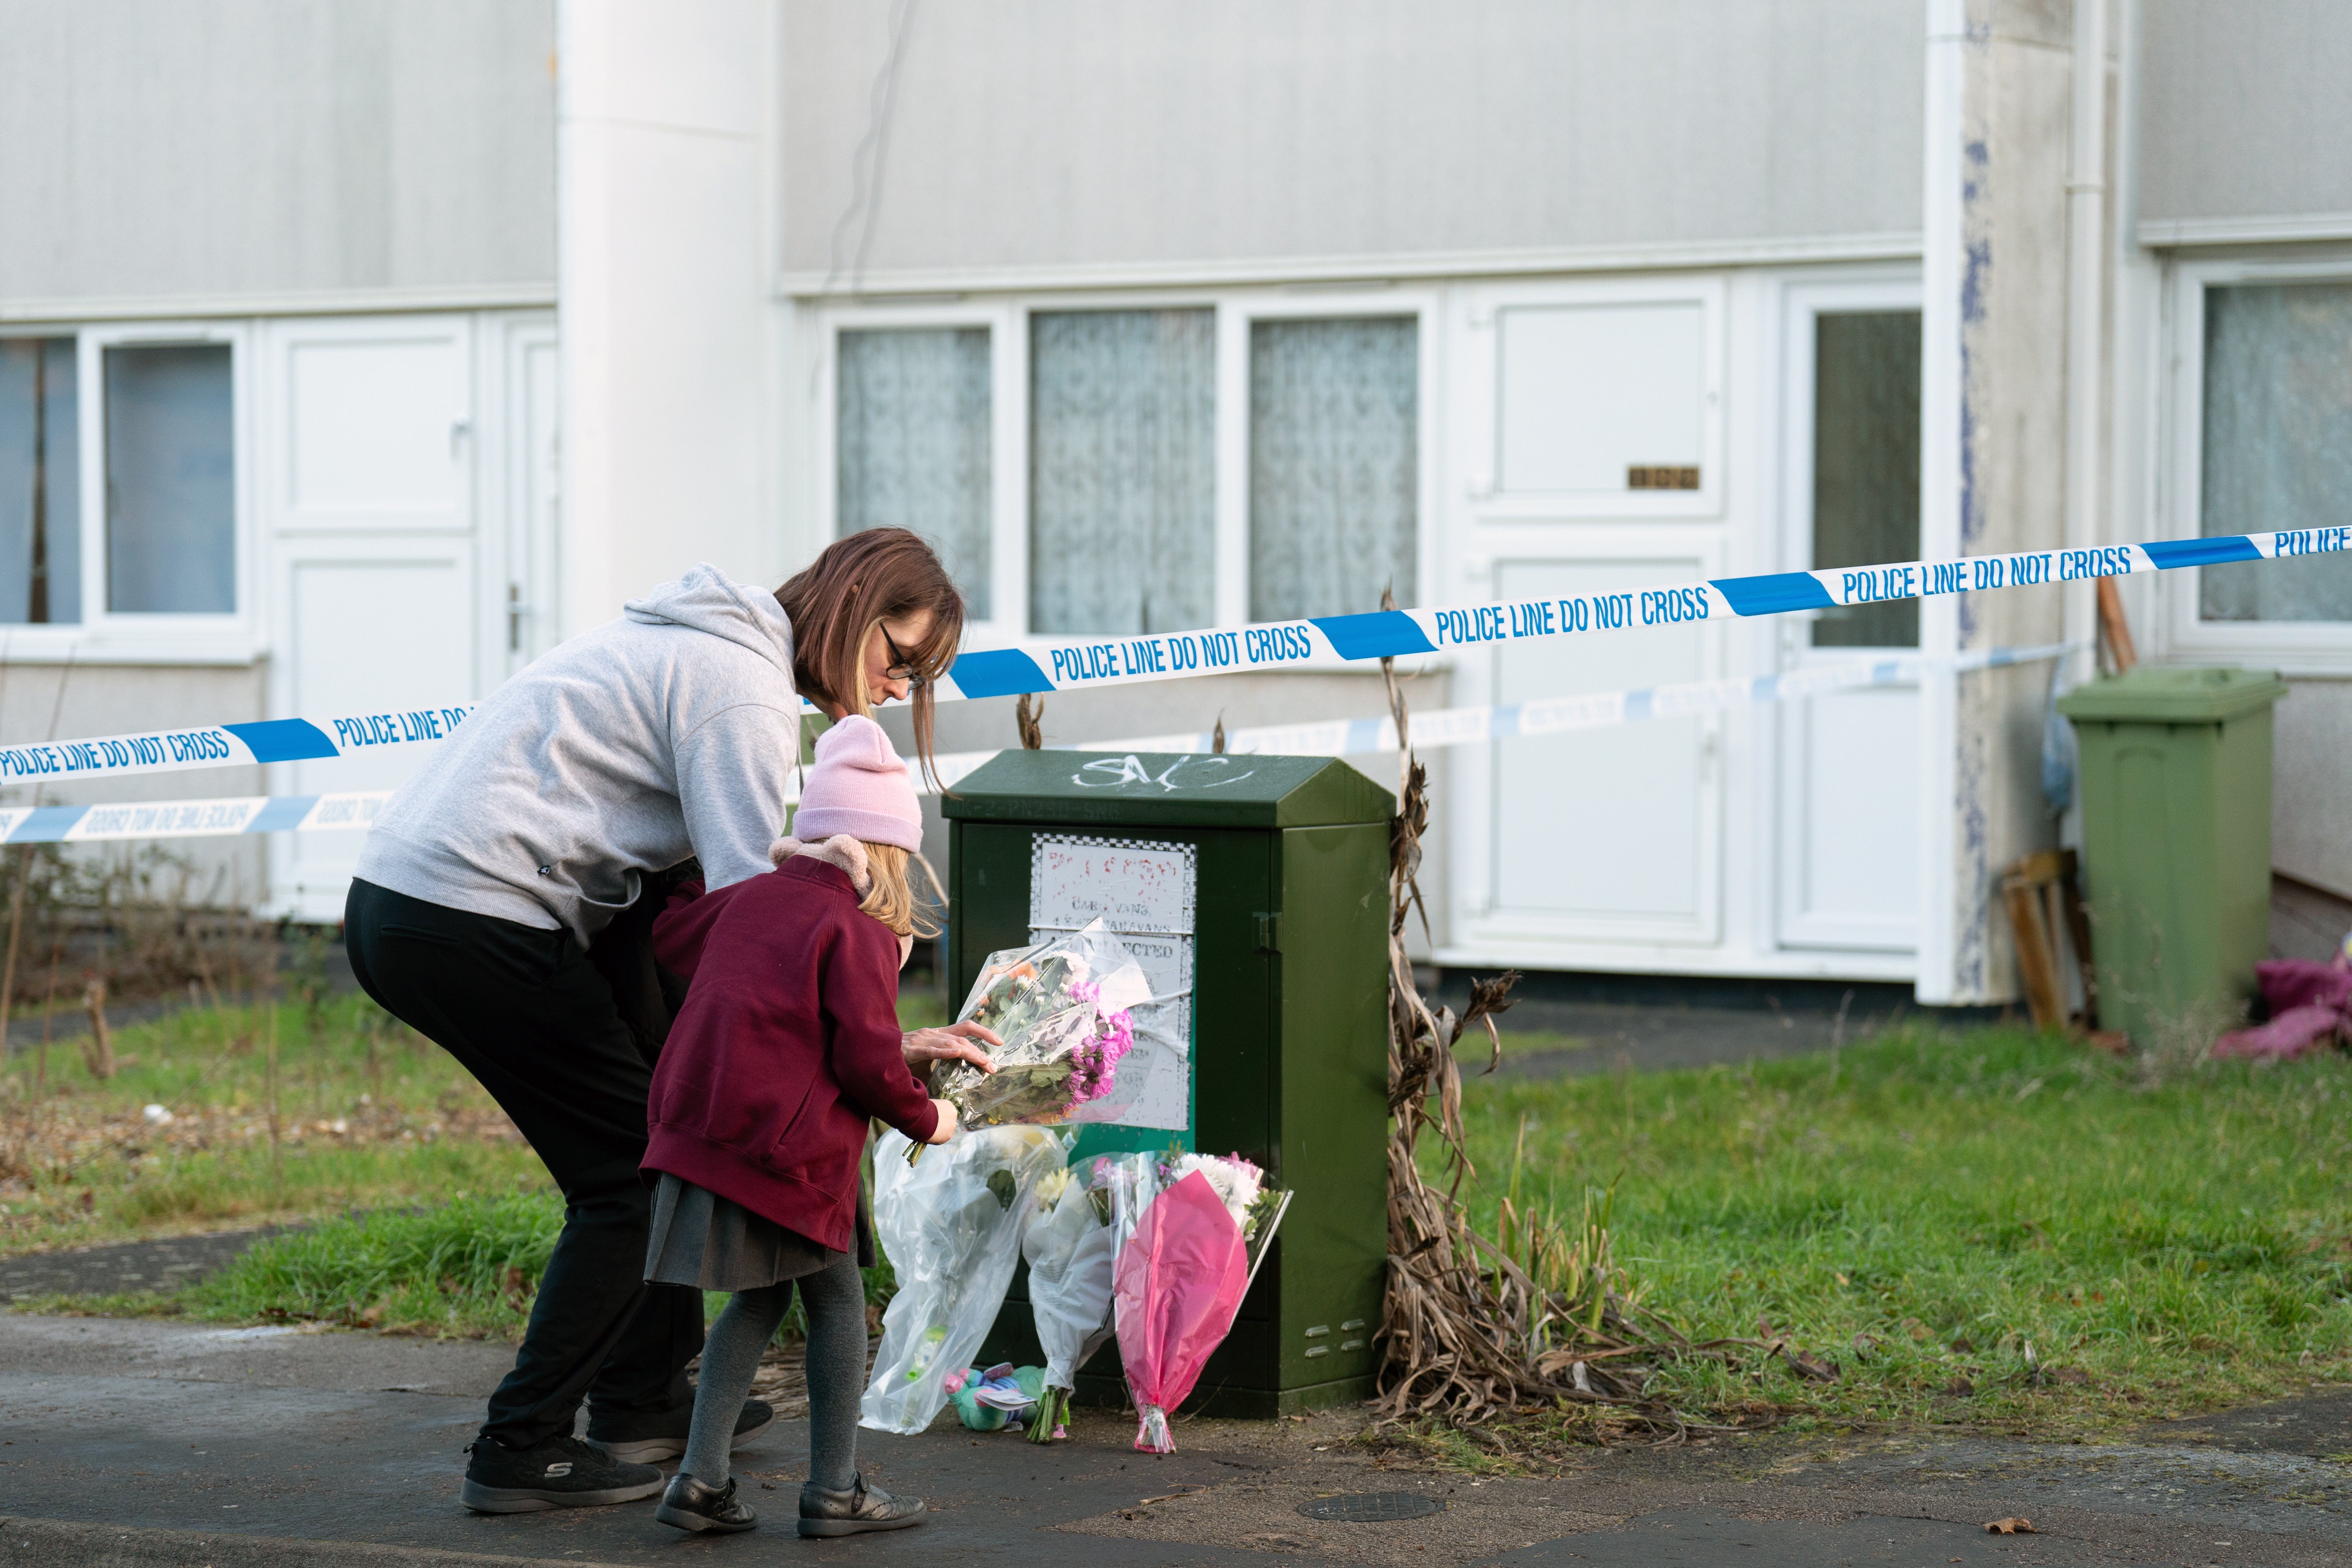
[[1069, 1245], [951, 1227], [1062, 1008], [1198, 1225], [1179, 1280], [1256, 1205]]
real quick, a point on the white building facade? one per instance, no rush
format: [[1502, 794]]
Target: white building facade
[[1159, 316]]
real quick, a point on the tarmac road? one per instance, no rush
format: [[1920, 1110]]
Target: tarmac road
[[152, 1443]]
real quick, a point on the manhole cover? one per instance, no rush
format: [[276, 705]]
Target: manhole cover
[[1371, 1508]]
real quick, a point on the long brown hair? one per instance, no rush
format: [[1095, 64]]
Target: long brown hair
[[854, 585]]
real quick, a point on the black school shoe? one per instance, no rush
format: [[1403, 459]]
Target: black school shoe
[[690, 1505], [860, 1508], [562, 1472], [648, 1437]]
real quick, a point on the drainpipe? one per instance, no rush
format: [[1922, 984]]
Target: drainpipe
[[1941, 266], [2086, 301]]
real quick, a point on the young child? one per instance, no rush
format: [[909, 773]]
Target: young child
[[788, 1043]]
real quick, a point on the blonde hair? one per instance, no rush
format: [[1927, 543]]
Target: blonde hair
[[890, 896]]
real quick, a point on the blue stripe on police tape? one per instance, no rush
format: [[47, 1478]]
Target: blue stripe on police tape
[[1379, 634], [2170, 553], [284, 739], [1774, 594], [283, 814], [47, 823], [998, 672]]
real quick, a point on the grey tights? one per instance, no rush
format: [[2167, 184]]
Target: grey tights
[[834, 1298]]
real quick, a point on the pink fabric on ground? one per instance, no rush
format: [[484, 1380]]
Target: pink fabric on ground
[[2310, 1005]]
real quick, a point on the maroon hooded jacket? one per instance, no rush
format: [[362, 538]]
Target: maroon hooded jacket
[[787, 1044]]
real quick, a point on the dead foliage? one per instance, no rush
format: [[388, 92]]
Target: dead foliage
[[1476, 1328]]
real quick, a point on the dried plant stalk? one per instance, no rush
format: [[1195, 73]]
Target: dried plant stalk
[[1475, 1327]]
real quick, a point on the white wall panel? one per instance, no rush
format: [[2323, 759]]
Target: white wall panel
[[172, 147], [1063, 132], [2242, 109]]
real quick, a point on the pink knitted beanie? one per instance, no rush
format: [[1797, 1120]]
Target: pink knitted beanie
[[859, 786]]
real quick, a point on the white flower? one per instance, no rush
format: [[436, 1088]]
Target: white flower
[[1235, 1181], [157, 1116]]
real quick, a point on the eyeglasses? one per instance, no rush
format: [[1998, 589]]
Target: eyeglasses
[[901, 666]]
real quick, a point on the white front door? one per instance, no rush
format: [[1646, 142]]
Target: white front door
[[1848, 812], [1605, 837], [386, 485], [528, 622], [1589, 460]]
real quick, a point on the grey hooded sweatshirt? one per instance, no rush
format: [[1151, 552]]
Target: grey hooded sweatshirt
[[667, 733]]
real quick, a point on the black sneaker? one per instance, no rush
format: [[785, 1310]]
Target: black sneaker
[[562, 1472], [690, 1505], [860, 1508], [648, 1437]]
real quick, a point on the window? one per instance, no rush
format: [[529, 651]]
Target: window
[[40, 482], [1122, 471], [1866, 465], [912, 445], [1334, 466], [2276, 444], [170, 481], [1132, 467]]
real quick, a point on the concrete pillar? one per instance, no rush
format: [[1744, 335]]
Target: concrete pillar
[[1993, 460], [662, 277]]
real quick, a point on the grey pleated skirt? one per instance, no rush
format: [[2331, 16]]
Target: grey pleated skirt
[[700, 1238]]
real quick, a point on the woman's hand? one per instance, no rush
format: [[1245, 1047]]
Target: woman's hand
[[952, 1044], [947, 1127]]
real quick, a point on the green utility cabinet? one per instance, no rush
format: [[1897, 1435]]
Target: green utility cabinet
[[2176, 790], [1280, 865]]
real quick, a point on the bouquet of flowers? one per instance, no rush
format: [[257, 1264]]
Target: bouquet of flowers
[[1069, 1245], [1201, 1232], [1062, 1008], [951, 1230]]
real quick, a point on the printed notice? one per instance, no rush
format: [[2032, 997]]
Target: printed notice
[[1130, 886], [1144, 893]]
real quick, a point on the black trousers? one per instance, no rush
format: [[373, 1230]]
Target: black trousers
[[530, 1015]]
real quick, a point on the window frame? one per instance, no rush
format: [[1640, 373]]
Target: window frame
[[108, 636], [1236, 308], [1008, 458], [2294, 647], [1803, 302]]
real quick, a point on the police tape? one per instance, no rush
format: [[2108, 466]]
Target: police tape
[[1328, 642], [1334, 642], [1327, 738], [191, 818], [226, 745], [1442, 727]]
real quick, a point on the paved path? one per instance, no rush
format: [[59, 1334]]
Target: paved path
[[158, 1443], [158, 1264]]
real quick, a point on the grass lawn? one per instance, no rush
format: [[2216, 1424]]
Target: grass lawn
[[455, 1214], [1997, 1227], [1994, 1228], [370, 1116]]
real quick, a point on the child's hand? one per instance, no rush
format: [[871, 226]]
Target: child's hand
[[947, 1127]]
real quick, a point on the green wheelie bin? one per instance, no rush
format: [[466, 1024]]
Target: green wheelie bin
[[2176, 792]]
